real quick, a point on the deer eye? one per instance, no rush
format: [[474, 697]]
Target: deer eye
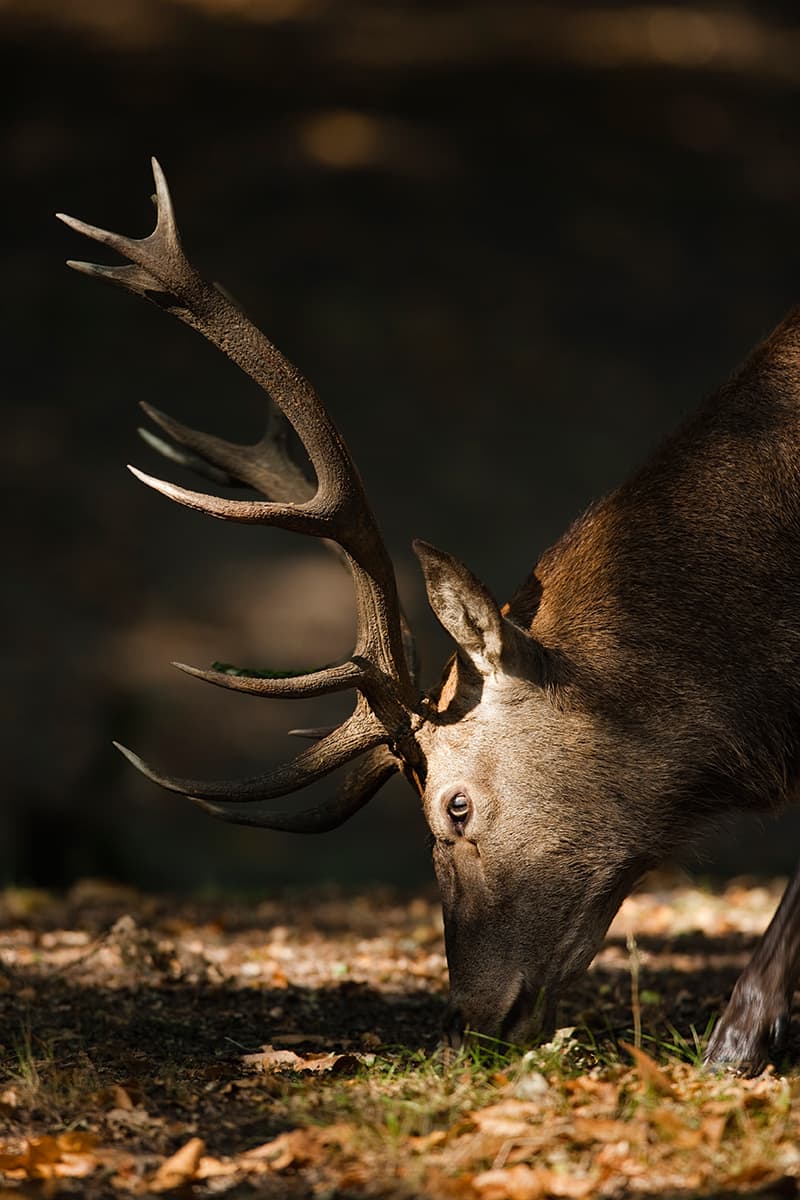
[[458, 808]]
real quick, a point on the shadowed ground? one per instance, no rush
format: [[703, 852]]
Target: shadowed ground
[[133, 1025], [511, 244]]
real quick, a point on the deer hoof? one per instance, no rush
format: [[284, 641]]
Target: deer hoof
[[752, 1031]]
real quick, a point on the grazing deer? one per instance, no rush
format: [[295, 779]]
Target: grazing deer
[[644, 680]]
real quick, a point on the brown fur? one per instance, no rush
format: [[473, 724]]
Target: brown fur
[[648, 681]]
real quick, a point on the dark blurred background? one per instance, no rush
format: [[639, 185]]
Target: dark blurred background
[[511, 243]]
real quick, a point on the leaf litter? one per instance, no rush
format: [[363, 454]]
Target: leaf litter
[[289, 1048]]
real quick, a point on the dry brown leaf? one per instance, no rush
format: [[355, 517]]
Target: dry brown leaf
[[180, 1168], [648, 1070], [132, 1118], [508, 1119], [426, 1141], [670, 1125], [299, 1147], [74, 1166], [753, 1173], [512, 1183], [600, 1092], [42, 1151], [217, 1168], [447, 1186], [341, 1134], [575, 1186], [603, 1129], [46, 1158], [617, 1157], [270, 1059], [296, 1147], [120, 1098], [11, 1160], [338, 1064], [74, 1142], [713, 1130]]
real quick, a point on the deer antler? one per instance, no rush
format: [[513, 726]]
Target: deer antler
[[388, 707]]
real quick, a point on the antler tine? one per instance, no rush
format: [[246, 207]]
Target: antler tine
[[162, 274], [364, 780], [339, 678], [187, 459], [360, 732], [268, 467], [297, 518], [338, 509], [265, 466]]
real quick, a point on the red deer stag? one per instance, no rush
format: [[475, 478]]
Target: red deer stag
[[644, 680]]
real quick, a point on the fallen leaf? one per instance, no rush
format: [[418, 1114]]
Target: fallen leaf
[[501, 1120], [713, 1130], [270, 1059], [132, 1118], [74, 1166], [48, 1157], [648, 1070], [426, 1141], [337, 1064], [180, 1168], [120, 1097], [74, 1142], [216, 1168], [597, 1091], [294, 1147], [513, 1183], [575, 1186], [673, 1127], [13, 1160], [600, 1129]]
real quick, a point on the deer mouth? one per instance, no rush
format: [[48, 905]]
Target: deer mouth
[[529, 1018], [453, 1027]]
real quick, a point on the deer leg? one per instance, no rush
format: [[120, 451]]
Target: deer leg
[[755, 1024]]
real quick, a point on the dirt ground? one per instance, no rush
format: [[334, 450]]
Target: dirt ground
[[289, 1047]]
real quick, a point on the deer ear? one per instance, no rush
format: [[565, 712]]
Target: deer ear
[[469, 613]]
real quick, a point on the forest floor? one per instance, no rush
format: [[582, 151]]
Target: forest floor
[[288, 1047]]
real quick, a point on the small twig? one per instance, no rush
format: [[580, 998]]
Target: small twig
[[240, 1046], [636, 1007], [501, 1158], [92, 949]]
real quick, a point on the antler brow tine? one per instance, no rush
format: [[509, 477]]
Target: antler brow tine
[[382, 668]]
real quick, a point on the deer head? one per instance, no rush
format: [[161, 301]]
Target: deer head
[[530, 756]]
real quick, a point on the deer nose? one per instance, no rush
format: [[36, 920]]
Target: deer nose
[[531, 1018], [453, 1027]]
